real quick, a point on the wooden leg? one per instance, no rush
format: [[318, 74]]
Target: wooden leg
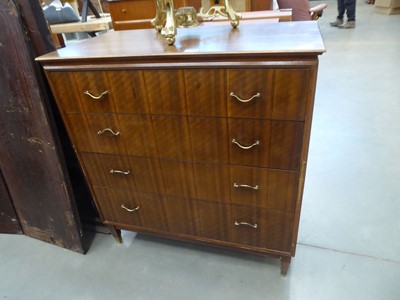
[[285, 263], [116, 233]]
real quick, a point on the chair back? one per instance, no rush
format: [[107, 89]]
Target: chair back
[[300, 9]]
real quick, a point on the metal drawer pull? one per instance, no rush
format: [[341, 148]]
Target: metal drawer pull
[[244, 101], [108, 130], [245, 186], [245, 147], [95, 97], [130, 210], [244, 223], [119, 172]]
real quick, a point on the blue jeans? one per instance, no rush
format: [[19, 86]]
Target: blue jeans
[[348, 6]]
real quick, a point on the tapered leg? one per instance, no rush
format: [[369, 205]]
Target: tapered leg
[[116, 233], [285, 263]]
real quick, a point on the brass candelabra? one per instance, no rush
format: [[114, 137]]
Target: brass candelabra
[[167, 19]]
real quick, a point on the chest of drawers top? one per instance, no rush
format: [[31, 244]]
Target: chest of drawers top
[[214, 43]]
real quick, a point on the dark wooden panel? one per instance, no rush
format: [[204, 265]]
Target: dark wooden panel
[[138, 134], [286, 143], [247, 132], [178, 178], [291, 88], [129, 91], [205, 92], [212, 182], [30, 157], [166, 91], [245, 84], [65, 91], [274, 229], [173, 137], [96, 83], [209, 137], [282, 189], [8, 219], [151, 212]]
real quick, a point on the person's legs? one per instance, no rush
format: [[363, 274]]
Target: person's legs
[[341, 10], [350, 9]]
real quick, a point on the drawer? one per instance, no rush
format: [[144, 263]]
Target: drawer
[[117, 171], [249, 142], [96, 133], [250, 93], [280, 94], [263, 143], [264, 188], [132, 10], [260, 187], [65, 91], [131, 208], [82, 91], [262, 228], [246, 225]]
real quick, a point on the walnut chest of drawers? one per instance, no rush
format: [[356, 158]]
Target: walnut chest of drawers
[[203, 141]]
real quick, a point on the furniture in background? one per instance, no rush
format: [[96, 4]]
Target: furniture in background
[[136, 14], [302, 10], [32, 158], [204, 141]]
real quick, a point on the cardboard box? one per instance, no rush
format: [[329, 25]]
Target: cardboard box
[[389, 7]]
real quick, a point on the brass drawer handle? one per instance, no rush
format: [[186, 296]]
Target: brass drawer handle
[[245, 186], [96, 97], [100, 132], [247, 224], [112, 171], [128, 209], [123, 10], [245, 100], [245, 147]]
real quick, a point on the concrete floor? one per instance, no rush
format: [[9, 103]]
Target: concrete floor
[[349, 239]]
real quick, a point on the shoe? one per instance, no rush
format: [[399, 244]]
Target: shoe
[[337, 23], [347, 25]]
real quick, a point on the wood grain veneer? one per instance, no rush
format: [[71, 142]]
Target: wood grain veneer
[[176, 121]]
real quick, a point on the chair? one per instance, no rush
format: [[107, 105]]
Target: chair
[[301, 10]]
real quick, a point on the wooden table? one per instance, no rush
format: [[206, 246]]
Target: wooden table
[[91, 25]]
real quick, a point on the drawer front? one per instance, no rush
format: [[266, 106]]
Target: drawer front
[[268, 94], [264, 188], [263, 143], [132, 10], [131, 208], [96, 133], [117, 171], [262, 228], [250, 93], [246, 225]]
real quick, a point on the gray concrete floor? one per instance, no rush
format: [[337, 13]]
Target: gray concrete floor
[[349, 239]]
